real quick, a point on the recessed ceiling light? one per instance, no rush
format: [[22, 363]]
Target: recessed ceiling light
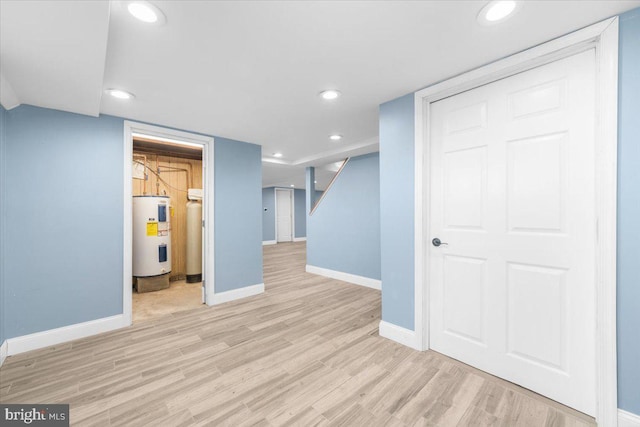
[[335, 137], [277, 154], [315, 182], [497, 11], [120, 94], [330, 94], [292, 185], [146, 12]]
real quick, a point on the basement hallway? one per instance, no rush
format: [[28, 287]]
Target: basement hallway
[[306, 352]]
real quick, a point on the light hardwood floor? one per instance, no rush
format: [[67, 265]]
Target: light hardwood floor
[[307, 353]]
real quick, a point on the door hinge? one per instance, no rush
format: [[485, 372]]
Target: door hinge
[[203, 223]]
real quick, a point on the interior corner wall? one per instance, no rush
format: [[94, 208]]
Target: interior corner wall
[[238, 221], [300, 213], [343, 234], [397, 210], [268, 214], [3, 127], [629, 213], [63, 219]]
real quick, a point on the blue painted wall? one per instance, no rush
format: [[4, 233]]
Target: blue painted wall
[[238, 218], [268, 216], [629, 214], [343, 234], [3, 113], [61, 199], [397, 210], [63, 214], [300, 213], [396, 158]]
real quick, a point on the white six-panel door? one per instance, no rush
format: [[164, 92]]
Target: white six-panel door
[[512, 288], [284, 205]]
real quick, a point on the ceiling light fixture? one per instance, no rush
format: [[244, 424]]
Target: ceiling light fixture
[[330, 94], [292, 185], [497, 11], [146, 12], [167, 140], [335, 137], [120, 94], [277, 154]]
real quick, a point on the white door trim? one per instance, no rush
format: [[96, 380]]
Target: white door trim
[[208, 208], [275, 215], [602, 36], [293, 215], [292, 201]]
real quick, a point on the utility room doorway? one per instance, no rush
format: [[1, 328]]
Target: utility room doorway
[[167, 226]]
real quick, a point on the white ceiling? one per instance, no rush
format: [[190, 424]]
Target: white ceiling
[[252, 70], [53, 53]]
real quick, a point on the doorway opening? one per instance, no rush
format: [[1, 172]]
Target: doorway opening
[[166, 173], [168, 246], [284, 215]]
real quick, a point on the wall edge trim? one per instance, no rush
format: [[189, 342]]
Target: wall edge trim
[[269, 242], [4, 351], [345, 277], [234, 294], [63, 334], [299, 239], [399, 334], [627, 419]]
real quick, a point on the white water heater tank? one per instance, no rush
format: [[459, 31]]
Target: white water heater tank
[[151, 236]]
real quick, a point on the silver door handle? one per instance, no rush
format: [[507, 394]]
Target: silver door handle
[[437, 242]]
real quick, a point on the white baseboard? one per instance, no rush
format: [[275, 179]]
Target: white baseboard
[[627, 419], [4, 351], [232, 295], [269, 242], [345, 277], [42, 339], [299, 239], [399, 334]]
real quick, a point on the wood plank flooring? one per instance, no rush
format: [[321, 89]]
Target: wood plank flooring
[[306, 353]]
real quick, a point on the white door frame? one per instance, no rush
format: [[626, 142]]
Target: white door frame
[[293, 211], [602, 36], [206, 142]]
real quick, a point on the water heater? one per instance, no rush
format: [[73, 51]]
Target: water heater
[[151, 236]]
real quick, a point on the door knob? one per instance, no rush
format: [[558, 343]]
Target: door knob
[[437, 242]]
